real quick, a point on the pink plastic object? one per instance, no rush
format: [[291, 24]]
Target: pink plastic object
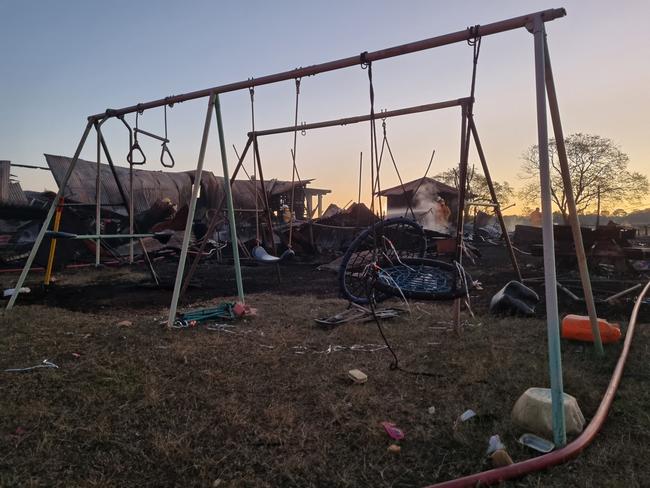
[[241, 310], [394, 432]]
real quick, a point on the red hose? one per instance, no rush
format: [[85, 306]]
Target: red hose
[[571, 450]]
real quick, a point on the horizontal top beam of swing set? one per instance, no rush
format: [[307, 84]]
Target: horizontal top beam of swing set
[[412, 47], [363, 118]]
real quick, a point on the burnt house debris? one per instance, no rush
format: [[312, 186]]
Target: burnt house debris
[[160, 203], [434, 204], [609, 248]]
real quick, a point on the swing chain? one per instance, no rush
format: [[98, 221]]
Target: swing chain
[[475, 42], [165, 150]]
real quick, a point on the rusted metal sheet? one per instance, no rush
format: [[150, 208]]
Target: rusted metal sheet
[[148, 186], [152, 186], [16, 194]]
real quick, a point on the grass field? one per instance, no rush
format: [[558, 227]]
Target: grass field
[[266, 405]]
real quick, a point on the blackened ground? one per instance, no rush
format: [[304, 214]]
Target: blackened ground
[[266, 405]]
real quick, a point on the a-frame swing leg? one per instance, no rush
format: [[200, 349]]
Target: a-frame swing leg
[[550, 279], [460, 218], [571, 203], [231, 207], [190, 213], [493, 195], [98, 204], [211, 227], [48, 218]]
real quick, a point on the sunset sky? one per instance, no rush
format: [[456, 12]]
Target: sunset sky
[[62, 61]]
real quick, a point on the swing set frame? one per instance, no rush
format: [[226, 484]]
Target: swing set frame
[[545, 91]]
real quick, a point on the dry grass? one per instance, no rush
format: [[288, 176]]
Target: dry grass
[[143, 406]]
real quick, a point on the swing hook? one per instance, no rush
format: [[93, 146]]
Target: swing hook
[[363, 60], [303, 131], [474, 35]]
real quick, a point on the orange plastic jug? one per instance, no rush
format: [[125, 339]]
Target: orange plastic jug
[[578, 327]]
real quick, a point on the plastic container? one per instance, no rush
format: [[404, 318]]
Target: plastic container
[[578, 328], [537, 443]]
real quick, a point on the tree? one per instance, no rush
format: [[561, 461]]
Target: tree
[[477, 186], [598, 170]]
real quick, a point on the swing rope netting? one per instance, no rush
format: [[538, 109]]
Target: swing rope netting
[[419, 278]]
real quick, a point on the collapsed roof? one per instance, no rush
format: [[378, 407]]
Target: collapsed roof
[[150, 186]]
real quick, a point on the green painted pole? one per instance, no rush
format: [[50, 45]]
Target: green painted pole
[[231, 209], [550, 281]]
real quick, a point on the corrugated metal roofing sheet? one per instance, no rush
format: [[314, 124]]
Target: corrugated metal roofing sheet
[[16, 194], [149, 186]]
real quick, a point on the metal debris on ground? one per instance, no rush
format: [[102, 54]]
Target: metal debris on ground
[[44, 364], [358, 313], [335, 348], [184, 324], [221, 328]]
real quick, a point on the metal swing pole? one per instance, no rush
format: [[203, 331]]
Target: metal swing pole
[[462, 188], [48, 218], [131, 217], [571, 203], [493, 194], [550, 281], [190, 213], [98, 211], [231, 209]]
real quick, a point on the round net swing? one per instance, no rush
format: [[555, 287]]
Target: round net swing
[[387, 259]]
